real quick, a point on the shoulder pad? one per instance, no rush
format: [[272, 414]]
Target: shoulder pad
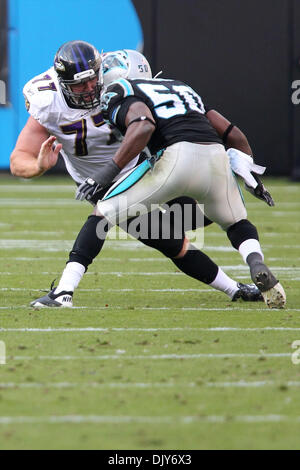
[[115, 92], [40, 91]]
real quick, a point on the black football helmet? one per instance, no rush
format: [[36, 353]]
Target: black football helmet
[[78, 62]]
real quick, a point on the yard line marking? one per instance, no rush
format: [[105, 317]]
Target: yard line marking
[[238, 268], [124, 385], [115, 290], [103, 258], [36, 188], [196, 309], [125, 419], [122, 356], [33, 232], [29, 186], [123, 244], [145, 330], [39, 202]]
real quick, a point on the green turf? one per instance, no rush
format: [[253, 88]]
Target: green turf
[[144, 360]]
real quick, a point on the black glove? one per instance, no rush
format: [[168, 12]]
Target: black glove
[[97, 181], [260, 191]]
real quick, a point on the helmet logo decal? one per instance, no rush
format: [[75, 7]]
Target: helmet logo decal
[[59, 66]]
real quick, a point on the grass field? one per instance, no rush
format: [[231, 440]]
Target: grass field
[[148, 358]]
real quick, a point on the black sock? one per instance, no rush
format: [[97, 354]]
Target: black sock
[[197, 265], [89, 241], [240, 232]]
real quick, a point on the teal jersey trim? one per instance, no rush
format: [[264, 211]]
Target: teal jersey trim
[[127, 87], [131, 179], [135, 175]]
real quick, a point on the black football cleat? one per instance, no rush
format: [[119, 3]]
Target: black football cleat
[[248, 293], [62, 299]]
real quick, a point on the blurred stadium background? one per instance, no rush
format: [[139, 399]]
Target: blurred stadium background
[[242, 57]]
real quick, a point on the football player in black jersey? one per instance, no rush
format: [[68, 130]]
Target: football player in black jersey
[[188, 158], [186, 257]]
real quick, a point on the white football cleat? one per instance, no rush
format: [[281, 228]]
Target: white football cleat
[[275, 297], [62, 299], [271, 289]]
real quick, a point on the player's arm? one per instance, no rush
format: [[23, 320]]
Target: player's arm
[[241, 164], [231, 135], [140, 125], [33, 153]]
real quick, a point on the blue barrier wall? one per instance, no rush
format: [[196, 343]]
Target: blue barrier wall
[[35, 32]]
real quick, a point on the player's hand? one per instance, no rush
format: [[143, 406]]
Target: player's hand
[[48, 154], [87, 189], [260, 191], [99, 180]]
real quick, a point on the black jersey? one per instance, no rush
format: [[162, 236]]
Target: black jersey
[[178, 110]]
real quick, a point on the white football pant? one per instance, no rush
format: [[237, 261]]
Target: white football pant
[[201, 171]]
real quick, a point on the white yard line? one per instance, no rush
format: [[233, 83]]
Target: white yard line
[[123, 244], [122, 356], [145, 330], [47, 202], [145, 385], [28, 186], [196, 309], [164, 291], [237, 268], [125, 419], [37, 188]]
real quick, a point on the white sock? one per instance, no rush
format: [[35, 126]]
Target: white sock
[[225, 284], [250, 246], [70, 278]]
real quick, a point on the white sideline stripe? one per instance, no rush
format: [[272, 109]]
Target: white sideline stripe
[[147, 357], [106, 419], [124, 385], [145, 330]]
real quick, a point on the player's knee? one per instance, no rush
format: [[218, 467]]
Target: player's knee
[[184, 249], [171, 248]]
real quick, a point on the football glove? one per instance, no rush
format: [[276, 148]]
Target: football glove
[[260, 191], [243, 165], [100, 180]]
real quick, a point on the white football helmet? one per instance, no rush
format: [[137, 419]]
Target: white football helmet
[[125, 63]]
